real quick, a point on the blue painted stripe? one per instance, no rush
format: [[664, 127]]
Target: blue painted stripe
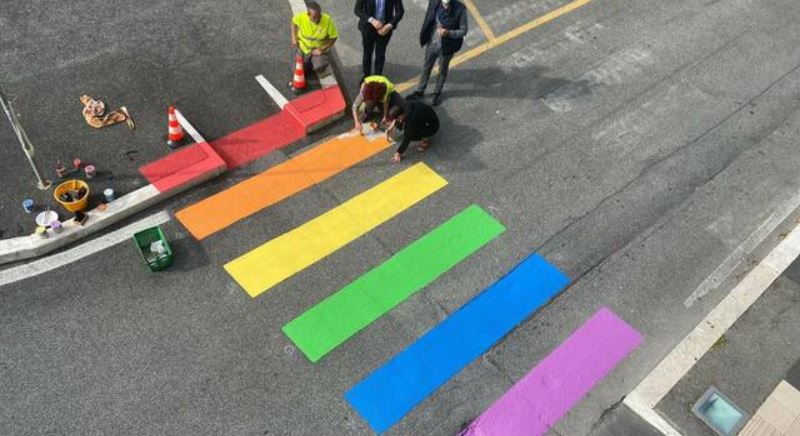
[[392, 390]]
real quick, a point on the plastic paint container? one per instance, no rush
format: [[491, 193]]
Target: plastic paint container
[[108, 193], [56, 226], [27, 204]]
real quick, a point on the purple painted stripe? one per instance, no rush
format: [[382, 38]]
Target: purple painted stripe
[[560, 381]]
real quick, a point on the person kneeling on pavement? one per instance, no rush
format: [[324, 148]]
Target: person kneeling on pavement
[[418, 122], [375, 90], [313, 36]]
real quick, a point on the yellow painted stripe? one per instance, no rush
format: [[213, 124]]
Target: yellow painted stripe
[[502, 39], [479, 18], [275, 261]]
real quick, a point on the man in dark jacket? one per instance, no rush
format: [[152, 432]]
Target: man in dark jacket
[[418, 122], [377, 20], [442, 35]]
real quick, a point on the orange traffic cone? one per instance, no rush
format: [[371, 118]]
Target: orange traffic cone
[[175, 138], [299, 81]]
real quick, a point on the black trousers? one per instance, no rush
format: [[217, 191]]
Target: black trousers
[[373, 42]]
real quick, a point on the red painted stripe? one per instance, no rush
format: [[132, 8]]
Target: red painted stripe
[[182, 167], [247, 144], [316, 107], [256, 140]]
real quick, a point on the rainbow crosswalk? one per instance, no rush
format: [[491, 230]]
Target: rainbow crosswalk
[[396, 387]]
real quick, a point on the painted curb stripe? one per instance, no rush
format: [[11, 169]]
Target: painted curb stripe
[[258, 139], [244, 199], [290, 253], [561, 380], [395, 388], [343, 314]]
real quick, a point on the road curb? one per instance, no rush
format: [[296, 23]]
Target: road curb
[[644, 398]]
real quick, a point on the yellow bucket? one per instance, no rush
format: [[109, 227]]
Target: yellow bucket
[[72, 185]]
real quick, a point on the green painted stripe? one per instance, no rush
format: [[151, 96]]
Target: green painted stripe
[[343, 314]]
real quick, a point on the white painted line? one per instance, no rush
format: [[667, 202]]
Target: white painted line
[[691, 349], [276, 95], [49, 263], [188, 127], [740, 254]]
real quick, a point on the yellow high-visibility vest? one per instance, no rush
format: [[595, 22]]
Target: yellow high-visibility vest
[[311, 35], [385, 81]]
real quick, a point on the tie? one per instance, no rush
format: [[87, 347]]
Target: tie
[[379, 6]]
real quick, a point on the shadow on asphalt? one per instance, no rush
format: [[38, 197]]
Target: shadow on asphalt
[[189, 254]]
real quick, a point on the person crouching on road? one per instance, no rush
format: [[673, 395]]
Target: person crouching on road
[[418, 122], [313, 36], [375, 91]]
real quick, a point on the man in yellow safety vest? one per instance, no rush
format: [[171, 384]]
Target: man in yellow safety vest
[[313, 36]]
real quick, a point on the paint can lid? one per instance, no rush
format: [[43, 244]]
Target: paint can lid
[[108, 191], [27, 202]]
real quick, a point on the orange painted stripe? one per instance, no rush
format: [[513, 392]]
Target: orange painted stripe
[[322, 162]]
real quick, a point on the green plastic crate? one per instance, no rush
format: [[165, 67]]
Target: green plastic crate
[[156, 261]]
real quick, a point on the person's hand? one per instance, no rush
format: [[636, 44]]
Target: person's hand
[[294, 44], [388, 134], [385, 121], [396, 158], [358, 126], [316, 52], [383, 31], [376, 24], [442, 32]]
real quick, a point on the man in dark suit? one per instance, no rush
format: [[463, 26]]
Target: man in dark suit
[[377, 20], [442, 35]]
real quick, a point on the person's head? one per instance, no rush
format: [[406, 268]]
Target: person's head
[[396, 113], [445, 3], [314, 11], [374, 92]]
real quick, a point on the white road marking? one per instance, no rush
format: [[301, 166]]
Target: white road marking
[[691, 349], [612, 71], [740, 253], [276, 95], [520, 12], [188, 127], [49, 263], [549, 51]]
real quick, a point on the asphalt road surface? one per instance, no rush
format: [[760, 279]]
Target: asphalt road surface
[[636, 144]]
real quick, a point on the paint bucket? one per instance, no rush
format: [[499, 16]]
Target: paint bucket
[[108, 193], [90, 171], [27, 204], [72, 203], [56, 226]]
